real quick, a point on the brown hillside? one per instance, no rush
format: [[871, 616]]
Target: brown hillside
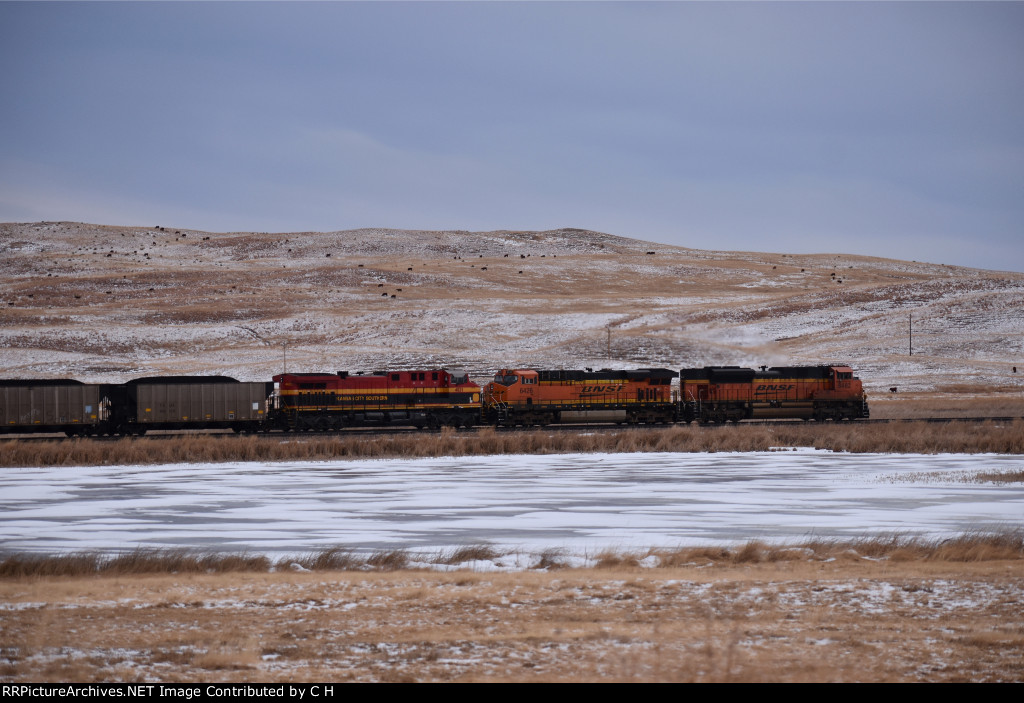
[[106, 303]]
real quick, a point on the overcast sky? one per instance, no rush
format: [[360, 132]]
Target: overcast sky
[[887, 129]]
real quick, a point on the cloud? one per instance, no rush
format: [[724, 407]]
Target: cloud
[[877, 128]]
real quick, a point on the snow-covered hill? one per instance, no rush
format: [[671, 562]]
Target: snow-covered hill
[[104, 303]]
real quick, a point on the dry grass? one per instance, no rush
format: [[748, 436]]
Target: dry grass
[[890, 609], [1002, 476], [968, 547], [138, 561], [950, 402], [477, 552], [958, 437]]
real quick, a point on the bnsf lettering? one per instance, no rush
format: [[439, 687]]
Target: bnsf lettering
[[766, 387], [601, 389]]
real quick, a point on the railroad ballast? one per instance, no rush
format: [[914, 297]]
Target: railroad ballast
[[431, 398]]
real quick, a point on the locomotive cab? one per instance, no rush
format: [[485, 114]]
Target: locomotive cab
[[842, 378], [515, 386]]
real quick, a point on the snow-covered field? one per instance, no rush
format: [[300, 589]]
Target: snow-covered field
[[106, 304], [581, 503]]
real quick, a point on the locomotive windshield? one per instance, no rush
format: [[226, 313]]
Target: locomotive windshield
[[506, 380]]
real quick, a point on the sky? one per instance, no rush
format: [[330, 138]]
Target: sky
[[883, 129]]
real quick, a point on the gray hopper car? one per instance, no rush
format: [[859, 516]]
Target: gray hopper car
[[166, 403], [189, 402], [51, 405]]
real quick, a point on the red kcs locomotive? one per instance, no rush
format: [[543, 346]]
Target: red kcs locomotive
[[432, 398]]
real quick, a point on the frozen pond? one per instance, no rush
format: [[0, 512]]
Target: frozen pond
[[575, 501]]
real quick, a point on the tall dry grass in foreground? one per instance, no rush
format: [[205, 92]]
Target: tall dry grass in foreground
[[964, 548], [958, 437]]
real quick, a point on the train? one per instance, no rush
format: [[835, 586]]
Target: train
[[132, 408], [431, 399]]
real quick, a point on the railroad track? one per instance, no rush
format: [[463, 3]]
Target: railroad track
[[162, 435]]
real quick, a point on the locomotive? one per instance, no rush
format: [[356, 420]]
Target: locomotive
[[731, 393], [542, 397], [431, 398], [434, 398]]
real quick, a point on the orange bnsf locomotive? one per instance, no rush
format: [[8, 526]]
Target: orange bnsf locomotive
[[731, 393], [433, 398], [541, 397]]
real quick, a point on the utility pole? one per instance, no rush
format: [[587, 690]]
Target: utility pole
[[608, 345]]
